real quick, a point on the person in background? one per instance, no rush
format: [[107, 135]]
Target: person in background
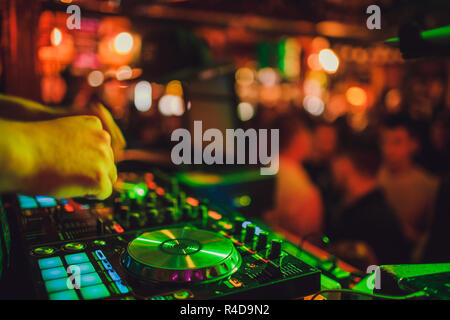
[[364, 215], [298, 203], [409, 189], [318, 165]]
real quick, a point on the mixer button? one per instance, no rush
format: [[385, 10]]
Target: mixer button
[[43, 251], [50, 263], [181, 295], [76, 258], [95, 292], [64, 295], [74, 246]]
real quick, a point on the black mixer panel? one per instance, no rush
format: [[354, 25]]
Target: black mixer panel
[[150, 240]]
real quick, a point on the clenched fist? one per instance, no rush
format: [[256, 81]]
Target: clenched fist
[[64, 157]]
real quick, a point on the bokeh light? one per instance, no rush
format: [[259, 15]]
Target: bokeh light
[[313, 105], [95, 78], [56, 37], [143, 96], [245, 111], [170, 105], [123, 43], [124, 73], [356, 96], [328, 60]]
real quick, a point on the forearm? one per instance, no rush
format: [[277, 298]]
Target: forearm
[[15, 108], [15, 155]]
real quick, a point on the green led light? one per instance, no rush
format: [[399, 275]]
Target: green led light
[[56, 285], [64, 295], [99, 242], [181, 295], [325, 239], [90, 279], [54, 273], [95, 292], [48, 263]]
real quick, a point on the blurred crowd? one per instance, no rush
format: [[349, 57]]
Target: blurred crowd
[[380, 196]]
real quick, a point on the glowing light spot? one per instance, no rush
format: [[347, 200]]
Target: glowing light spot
[[328, 60], [393, 99], [356, 96], [170, 105], [123, 43], [192, 201], [124, 73], [268, 77], [56, 37], [245, 111], [174, 88], [214, 215], [95, 78], [245, 76], [143, 96], [314, 105]]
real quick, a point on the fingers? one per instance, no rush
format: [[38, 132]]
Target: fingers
[[117, 139], [108, 176]]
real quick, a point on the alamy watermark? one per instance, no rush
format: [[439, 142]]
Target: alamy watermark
[[374, 20], [374, 280], [213, 153]]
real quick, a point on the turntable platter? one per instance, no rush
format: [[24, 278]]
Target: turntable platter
[[181, 255]]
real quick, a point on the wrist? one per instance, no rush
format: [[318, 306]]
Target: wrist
[[18, 157]]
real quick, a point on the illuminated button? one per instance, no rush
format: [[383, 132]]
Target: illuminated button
[[54, 273], [90, 279], [64, 295], [235, 283], [26, 202], [99, 242], [46, 202], [122, 288], [48, 263], [56, 285], [76, 258], [44, 251], [74, 246], [114, 276], [95, 292], [85, 268], [181, 295], [100, 254], [106, 264]]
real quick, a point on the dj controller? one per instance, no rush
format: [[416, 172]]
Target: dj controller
[[151, 240]]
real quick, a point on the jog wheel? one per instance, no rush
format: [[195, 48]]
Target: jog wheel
[[181, 255]]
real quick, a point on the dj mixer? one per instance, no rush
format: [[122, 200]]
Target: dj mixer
[[151, 240]]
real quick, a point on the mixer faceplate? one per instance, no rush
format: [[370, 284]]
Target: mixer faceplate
[[184, 255]]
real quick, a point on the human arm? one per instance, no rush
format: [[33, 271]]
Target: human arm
[[65, 157]]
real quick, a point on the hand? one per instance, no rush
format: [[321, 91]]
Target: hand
[[118, 142], [68, 157]]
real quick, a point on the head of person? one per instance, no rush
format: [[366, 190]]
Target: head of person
[[325, 141], [295, 136], [356, 163], [398, 142]]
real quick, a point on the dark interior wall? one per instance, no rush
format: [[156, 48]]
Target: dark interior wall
[[19, 21]]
